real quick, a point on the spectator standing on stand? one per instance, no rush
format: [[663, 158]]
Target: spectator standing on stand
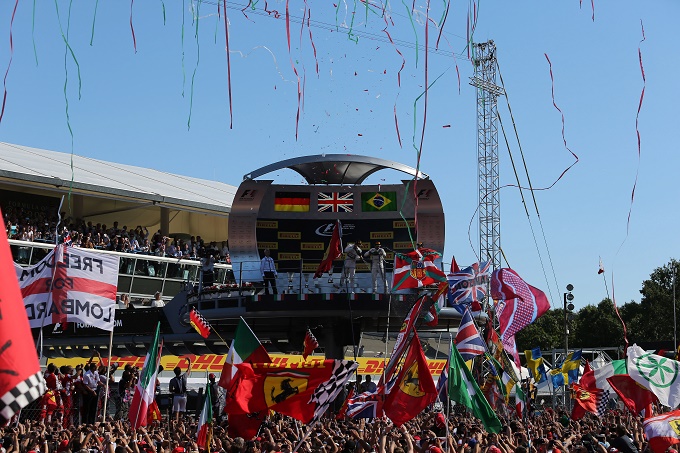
[[178, 388], [268, 271]]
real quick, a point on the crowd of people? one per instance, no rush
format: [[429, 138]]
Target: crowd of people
[[116, 238], [432, 431]]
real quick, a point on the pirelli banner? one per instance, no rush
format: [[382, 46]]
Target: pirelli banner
[[213, 363], [78, 286]]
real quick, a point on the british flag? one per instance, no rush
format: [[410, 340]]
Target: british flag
[[369, 404], [335, 202], [468, 340], [468, 285]]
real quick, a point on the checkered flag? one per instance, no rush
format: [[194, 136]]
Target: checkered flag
[[326, 393], [21, 395], [602, 403]]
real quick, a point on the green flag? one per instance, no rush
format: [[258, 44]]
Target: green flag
[[464, 390]]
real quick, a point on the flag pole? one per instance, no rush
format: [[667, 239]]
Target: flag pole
[[108, 375], [448, 399]]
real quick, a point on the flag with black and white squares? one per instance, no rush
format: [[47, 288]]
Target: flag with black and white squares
[[21, 395]]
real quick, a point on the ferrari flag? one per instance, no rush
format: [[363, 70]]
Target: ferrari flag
[[81, 288], [21, 381]]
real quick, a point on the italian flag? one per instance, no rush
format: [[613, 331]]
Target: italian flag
[[245, 348], [146, 385], [520, 400], [204, 431]]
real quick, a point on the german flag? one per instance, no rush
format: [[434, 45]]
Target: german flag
[[291, 201]]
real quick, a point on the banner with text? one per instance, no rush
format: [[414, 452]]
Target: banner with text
[[81, 288]]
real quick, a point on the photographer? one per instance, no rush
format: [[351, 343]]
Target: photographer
[[377, 256]]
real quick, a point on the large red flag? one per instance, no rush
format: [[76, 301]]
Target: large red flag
[[21, 381], [414, 389], [310, 344], [259, 387], [333, 252], [662, 431], [634, 396]]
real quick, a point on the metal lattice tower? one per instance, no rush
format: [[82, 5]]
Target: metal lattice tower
[[484, 61]]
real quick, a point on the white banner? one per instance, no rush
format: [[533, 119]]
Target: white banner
[[81, 288]]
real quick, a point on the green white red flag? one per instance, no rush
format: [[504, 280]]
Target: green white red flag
[[145, 389], [204, 429], [245, 348]]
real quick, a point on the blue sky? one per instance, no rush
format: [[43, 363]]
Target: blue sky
[[134, 109]]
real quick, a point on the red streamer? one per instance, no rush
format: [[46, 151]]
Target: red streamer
[[396, 124], [290, 56], [11, 55], [226, 33], [132, 27], [637, 124], [311, 40], [616, 309], [441, 26]]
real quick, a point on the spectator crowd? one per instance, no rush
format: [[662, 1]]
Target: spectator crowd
[[115, 238]]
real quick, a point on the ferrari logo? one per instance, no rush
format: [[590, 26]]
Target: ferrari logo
[[583, 395], [411, 384], [675, 426], [278, 387], [417, 270]]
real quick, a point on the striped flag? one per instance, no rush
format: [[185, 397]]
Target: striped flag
[[204, 429], [310, 344], [199, 323], [468, 340], [146, 385]]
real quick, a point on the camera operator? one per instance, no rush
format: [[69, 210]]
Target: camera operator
[[377, 256]]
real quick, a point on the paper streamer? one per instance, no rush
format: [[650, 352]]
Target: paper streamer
[[35, 51], [226, 35], [311, 40], [132, 27], [198, 60], [11, 55], [637, 124], [290, 56], [94, 20]]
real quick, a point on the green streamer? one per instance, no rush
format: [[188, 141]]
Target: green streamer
[[184, 75], [94, 19], [350, 35], [415, 110], [163, 4], [35, 51], [410, 17], [198, 59], [69, 49]]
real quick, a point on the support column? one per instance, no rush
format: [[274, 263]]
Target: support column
[[165, 221]]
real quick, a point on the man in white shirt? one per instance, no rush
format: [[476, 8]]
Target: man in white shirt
[[91, 381], [268, 271], [157, 301]]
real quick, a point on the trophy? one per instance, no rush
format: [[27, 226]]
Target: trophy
[[290, 282], [330, 276]]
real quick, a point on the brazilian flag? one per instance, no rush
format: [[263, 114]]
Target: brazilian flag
[[378, 201]]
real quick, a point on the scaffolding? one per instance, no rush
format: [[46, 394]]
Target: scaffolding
[[484, 80]]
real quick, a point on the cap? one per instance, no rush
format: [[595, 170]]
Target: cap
[[377, 243], [178, 450], [211, 376], [434, 449], [613, 450], [440, 420], [494, 449], [63, 445]]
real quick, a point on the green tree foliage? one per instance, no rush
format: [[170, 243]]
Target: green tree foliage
[[598, 325]]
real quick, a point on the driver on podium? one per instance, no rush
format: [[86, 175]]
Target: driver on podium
[[352, 253], [377, 256]]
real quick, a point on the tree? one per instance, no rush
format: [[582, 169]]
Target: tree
[[654, 319], [597, 326], [547, 332]]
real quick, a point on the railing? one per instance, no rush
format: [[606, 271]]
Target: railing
[[139, 275]]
